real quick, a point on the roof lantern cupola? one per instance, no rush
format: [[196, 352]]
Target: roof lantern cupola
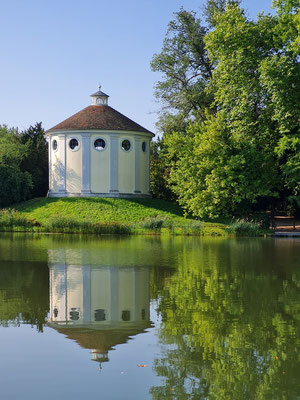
[[99, 98]]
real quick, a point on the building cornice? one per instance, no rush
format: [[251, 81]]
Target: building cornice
[[97, 131]]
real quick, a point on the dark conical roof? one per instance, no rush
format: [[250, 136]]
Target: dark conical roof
[[101, 339], [100, 117], [99, 93]]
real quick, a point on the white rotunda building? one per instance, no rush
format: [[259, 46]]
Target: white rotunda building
[[99, 152]]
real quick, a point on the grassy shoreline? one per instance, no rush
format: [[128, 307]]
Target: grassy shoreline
[[109, 216], [104, 216]]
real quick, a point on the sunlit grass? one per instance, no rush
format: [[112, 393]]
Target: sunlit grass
[[104, 216]]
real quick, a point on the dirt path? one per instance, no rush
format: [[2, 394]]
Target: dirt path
[[286, 224]]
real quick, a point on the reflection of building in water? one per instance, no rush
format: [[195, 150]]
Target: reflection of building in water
[[99, 307]]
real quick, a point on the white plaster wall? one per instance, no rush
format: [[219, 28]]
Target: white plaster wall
[[142, 294], [100, 293], [112, 289], [126, 166], [54, 169], [99, 165], [144, 170], [73, 166], [100, 180], [126, 296], [57, 293], [74, 293]]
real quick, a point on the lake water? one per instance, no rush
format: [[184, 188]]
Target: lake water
[[149, 318]]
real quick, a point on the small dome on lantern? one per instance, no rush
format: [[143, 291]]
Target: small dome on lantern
[[99, 98]]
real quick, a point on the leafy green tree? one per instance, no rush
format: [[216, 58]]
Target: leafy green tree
[[256, 84], [213, 8], [159, 173], [15, 185], [186, 71], [24, 164], [281, 78], [36, 161], [216, 173], [186, 68], [12, 150], [245, 146]]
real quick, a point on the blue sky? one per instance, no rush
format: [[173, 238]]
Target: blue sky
[[55, 53]]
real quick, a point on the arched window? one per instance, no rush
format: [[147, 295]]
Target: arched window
[[99, 101]]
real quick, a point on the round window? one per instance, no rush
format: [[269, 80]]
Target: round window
[[99, 144], [144, 147], [126, 315], [126, 145], [54, 144], [74, 144]]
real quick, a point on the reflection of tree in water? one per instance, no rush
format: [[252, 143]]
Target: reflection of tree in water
[[24, 297], [230, 325]]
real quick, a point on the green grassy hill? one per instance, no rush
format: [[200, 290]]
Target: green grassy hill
[[95, 209], [104, 215]]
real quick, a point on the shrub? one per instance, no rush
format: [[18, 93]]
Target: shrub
[[244, 228], [66, 225], [291, 210], [192, 227], [169, 224], [154, 223], [294, 206], [59, 224], [261, 218], [10, 218], [189, 227], [15, 186], [195, 228], [111, 228]]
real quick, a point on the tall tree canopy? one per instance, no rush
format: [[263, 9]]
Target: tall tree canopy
[[23, 164], [15, 184], [243, 146], [12, 150], [186, 71], [36, 163]]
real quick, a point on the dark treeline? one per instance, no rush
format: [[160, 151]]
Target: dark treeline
[[23, 164], [229, 122]]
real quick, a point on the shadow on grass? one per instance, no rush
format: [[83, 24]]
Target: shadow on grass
[[155, 204], [160, 205]]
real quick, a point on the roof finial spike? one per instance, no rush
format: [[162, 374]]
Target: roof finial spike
[[99, 86]]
